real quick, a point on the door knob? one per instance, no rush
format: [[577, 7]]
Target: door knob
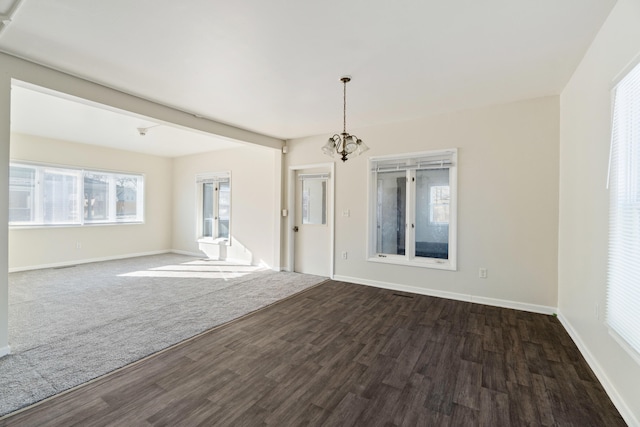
[[295, 229]]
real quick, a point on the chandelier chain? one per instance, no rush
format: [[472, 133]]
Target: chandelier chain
[[344, 99]]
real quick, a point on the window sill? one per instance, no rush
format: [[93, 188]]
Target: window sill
[[220, 241], [86, 224], [624, 344], [437, 264]]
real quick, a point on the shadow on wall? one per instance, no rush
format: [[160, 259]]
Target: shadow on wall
[[236, 252]]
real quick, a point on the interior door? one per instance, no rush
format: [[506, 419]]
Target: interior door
[[312, 228]]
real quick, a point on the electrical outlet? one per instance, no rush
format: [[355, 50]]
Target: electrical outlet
[[78, 245], [344, 254], [482, 273]]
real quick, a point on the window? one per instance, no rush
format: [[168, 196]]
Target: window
[[412, 216], [623, 289], [51, 195], [314, 198], [214, 212]]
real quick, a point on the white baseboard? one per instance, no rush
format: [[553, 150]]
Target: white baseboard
[[4, 351], [116, 257], [534, 308], [615, 397], [84, 261], [187, 253]]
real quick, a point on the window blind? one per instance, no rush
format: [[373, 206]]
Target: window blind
[[623, 289], [210, 178], [308, 176], [440, 160]]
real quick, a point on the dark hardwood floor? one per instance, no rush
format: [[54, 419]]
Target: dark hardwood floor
[[344, 354]]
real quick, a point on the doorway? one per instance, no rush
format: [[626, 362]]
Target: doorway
[[311, 219]]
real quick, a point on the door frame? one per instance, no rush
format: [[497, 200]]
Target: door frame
[[291, 212]]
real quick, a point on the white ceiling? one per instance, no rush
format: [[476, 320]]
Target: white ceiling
[[49, 114], [273, 67]]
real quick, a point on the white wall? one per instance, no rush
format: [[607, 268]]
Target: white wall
[[507, 201], [255, 197], [583, 226], [46, 246]]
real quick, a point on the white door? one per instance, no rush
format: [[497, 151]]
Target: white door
[[312, 222]]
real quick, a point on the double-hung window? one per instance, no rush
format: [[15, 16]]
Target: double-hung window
[[52, 195], [623, 290], [412, 212], [214, 206]]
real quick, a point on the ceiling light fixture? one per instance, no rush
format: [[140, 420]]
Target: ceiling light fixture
[[143, 131], [344, 144]]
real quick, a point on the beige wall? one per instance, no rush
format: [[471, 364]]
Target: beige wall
[[583, 238], [46, 246], [255, 189], [12, 67], [507, 202]]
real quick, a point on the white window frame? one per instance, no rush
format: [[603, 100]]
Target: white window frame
[[410, 163], [37, 217], [623, 287], [212, 178]]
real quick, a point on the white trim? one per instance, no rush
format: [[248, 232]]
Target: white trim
[[114, 258], [433, 263], [187, 253], [612, 392], [516, 305], [87, 261], [5, 351]]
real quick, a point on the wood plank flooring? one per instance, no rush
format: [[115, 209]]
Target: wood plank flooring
[[344, 354]]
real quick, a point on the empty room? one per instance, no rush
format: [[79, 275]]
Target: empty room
[[342, 213]]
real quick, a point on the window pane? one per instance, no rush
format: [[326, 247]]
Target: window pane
[[96, 197], [391, 204], [22, 187], [126, 197], [59, 194], [432, 213], [439, 204], [207, 209], [224, 208], [314, 201], [623, 292]]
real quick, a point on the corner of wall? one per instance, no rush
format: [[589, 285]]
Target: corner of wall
[[600, 373]]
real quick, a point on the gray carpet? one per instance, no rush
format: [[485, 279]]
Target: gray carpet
[[70, 325]]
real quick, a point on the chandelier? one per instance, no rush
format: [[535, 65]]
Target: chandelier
[[344, 144]]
